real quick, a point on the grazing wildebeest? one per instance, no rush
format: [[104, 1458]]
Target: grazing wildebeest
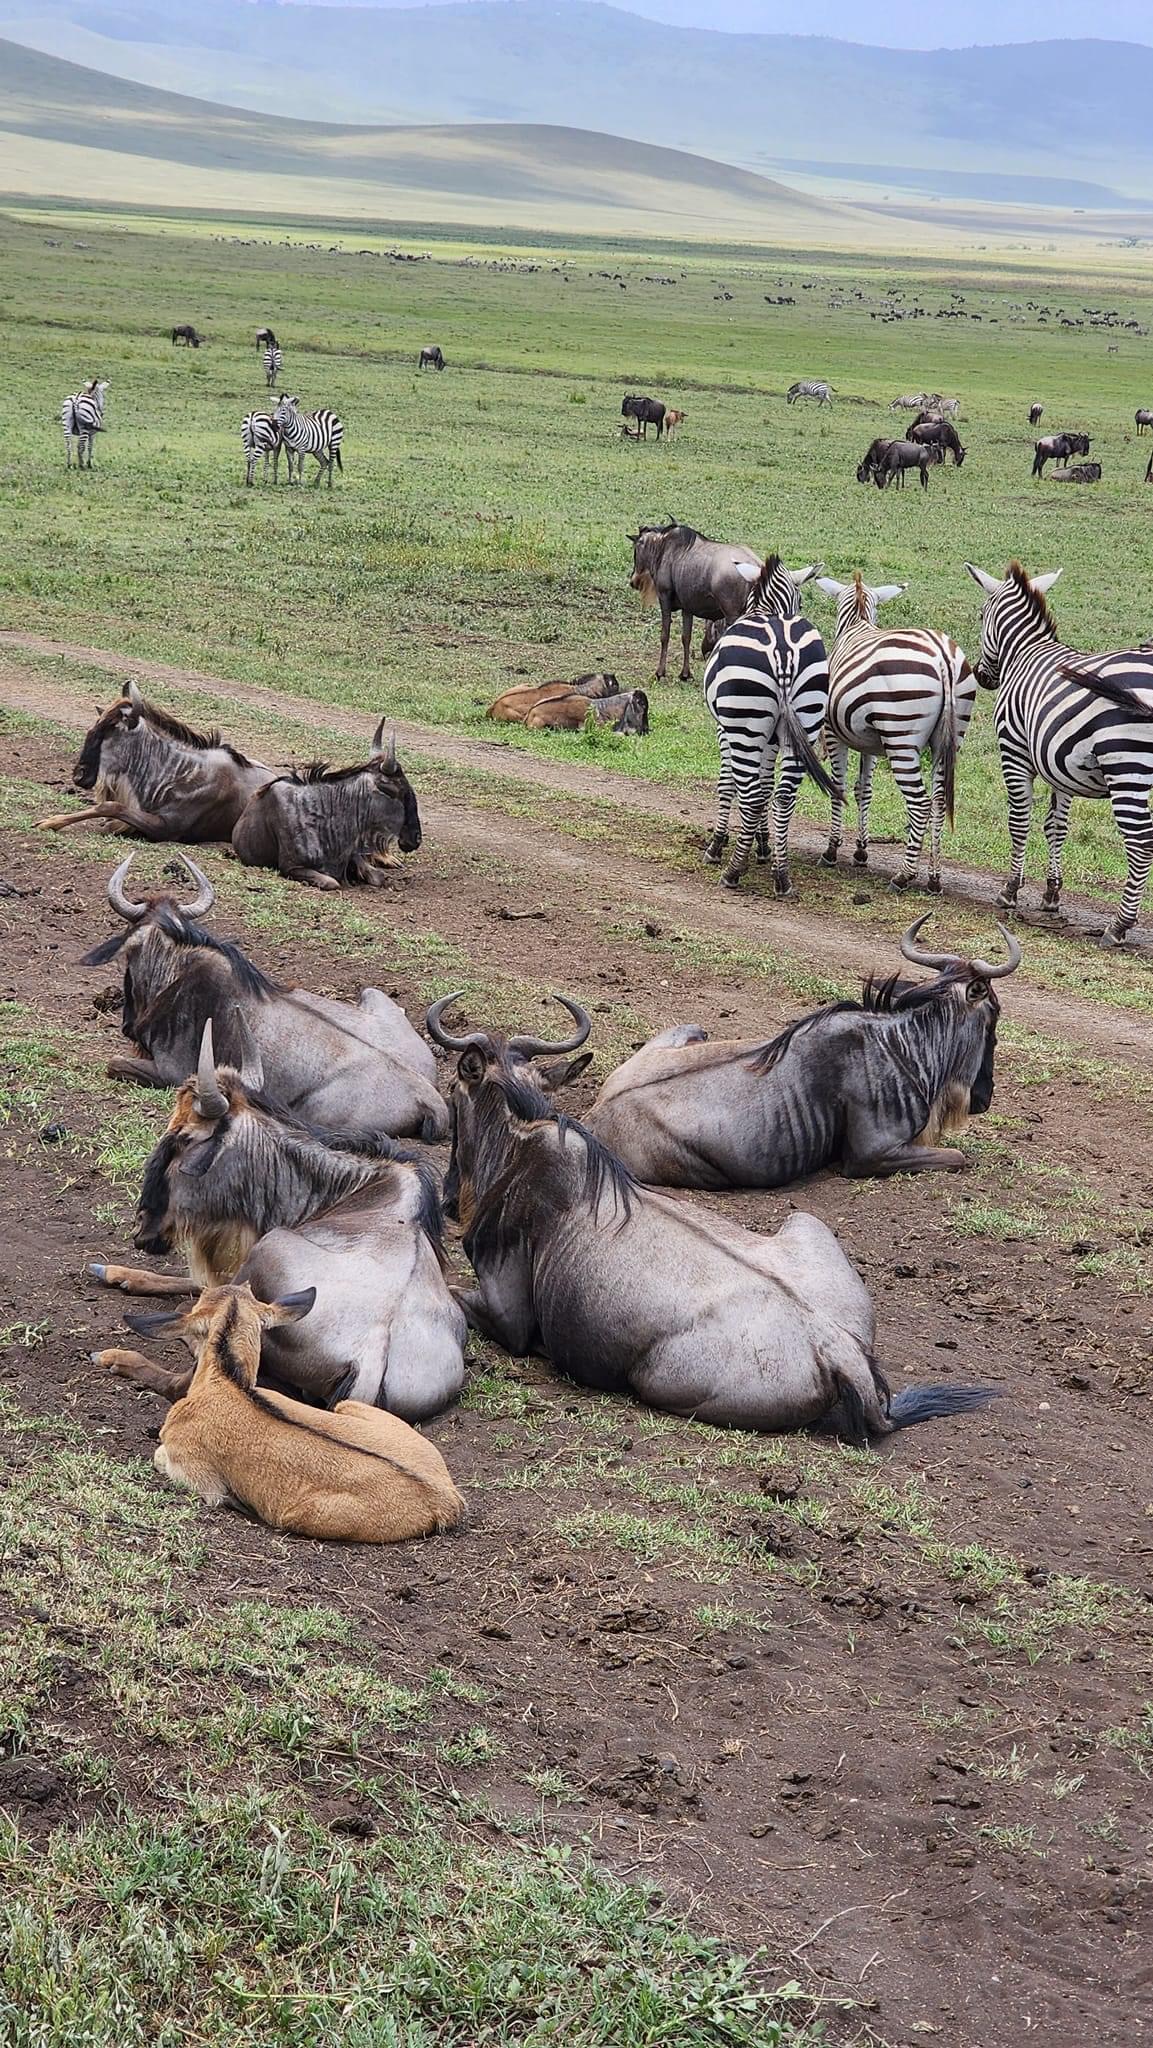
[[628, 712], [359, 1475], [646, 412], [680, 570], [1035, 412], [902, 455], [940, 434], [1142, 419], [244, 1191], [188, 335], [868, 1087], [630, 1291], [431, 358], [353, 1067], [874, 456], [513, 706], [1058, 448], [158, 778], [1077, 473], [326, 826], [265, 338]]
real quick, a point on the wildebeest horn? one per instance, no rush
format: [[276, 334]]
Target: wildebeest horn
[[988, 971], [378, 744], [912, 952], [532, 1046], [122, 904], [440, 1036], [208, 1101], [133, 695], [251, 1064], [205, 896]]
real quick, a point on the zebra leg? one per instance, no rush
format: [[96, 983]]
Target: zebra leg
[[838, 758], [863, 791], [754, 782], [720, 839], [906, 766], [1130, 803], [763, 851], [1019, 790], [784, 803], [1056, 830]]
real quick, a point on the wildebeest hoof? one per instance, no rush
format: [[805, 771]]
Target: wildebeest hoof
[[98, 1272]]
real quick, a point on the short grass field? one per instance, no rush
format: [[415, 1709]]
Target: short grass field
[[478, 535]]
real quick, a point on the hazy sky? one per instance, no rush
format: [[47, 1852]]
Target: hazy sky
[[900, 24]]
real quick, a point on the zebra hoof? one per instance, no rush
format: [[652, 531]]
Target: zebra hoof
[[1051, 905], [782, 889], [1007, 900], [1114, 936], [827, 860], [730, 881], [861, 857], [900, 883], [933, 885]]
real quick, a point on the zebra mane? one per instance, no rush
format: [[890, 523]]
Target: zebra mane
[[860, 597], [1038, 604]]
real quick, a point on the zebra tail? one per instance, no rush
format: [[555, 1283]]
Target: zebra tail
[[339, 463], [1108, 687], [806, 753], [949, 743]]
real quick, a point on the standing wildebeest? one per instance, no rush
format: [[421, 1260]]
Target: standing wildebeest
[[246, 1192], [158, 778], [356, 1067], [873, 457], [1082, 722], [188, 335], [265, 338], [630, 1291], [431, 358], [673, 419], [940, 434], [1035, 412], [680, 570], [82, 418], [1058, 448], [869, 1087], [902, 455], [1142, 419], [326, 826], [894, 694], [646, 412], [823, 393], [512, 707]]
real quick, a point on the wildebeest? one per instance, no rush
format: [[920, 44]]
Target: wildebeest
[[940, 434], [159, 778], [902, 455], [265, 338], [358, 1475], [1077, 473], [326, 826], [869, 1087], [627, 712], [673, 419], [680, 570], [646, 412], [431, 358], [874, 455], [356, 1067], [243, 1191], [1035, 412], [513, 706], [188, 335], [1142, 419], [811, 388], [1058, 448], [630, 1291]]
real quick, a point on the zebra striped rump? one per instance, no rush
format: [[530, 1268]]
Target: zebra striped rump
[[766, 685]]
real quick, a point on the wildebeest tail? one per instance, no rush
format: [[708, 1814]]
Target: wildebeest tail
[[802, 746], [921, 1404]]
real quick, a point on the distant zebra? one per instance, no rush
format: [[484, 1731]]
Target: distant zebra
[[260, 436], [1035, 412], [1082, 722], [823, 393], [310, 433], [273, 364], [766, 685], [82, 418], [891, 696]]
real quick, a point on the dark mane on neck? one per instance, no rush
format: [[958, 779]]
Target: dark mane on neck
[[321, 771], [604, 1174], [175, 729], [1038, 604], [882, 996]]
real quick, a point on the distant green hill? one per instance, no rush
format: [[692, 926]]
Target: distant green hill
[[1076, 114]]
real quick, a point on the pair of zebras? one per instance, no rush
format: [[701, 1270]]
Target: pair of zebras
[[318, 434], [1083, 725]]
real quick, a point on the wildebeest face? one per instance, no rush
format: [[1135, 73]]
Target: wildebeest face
[[393, 812], [119, 717], [189, 1146]]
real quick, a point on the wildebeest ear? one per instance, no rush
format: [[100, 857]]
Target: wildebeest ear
[[989, 584], [471, 1064], [148, 1325], [749, 570], [830, 586], [294, 1307], [561, 1072], [1040, 584]]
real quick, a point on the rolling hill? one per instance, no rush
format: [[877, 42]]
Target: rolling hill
[[1073, 114]]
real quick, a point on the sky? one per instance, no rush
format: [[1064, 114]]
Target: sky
[[894, 24]]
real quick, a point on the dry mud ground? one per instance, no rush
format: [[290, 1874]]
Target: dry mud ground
[[888, 1716]]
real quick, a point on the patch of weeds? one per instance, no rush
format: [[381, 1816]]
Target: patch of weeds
[[45, 1075], [1134, 1743], [716, 1617], [689, 1552], [973, 1218], [1016, 1840], [1064, 1605], [25, 1336], [477, 1745]]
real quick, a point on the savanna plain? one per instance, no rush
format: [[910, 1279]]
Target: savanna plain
[[688, 1736]]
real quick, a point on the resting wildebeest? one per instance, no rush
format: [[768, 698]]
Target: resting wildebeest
[[1058, 448], [940, 434], [868, 1087], [628, 712], [243, 1191], [678, 569], [902, 455], [431, 358], [630, 1291], [353, 1067], [159, 778], [188, 335], [874, 455], [1077, 473], [1035, 412], [326, 826], [512, 707], [646, 412]]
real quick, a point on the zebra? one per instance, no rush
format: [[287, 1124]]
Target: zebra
[[766, 684], [273, 364], [1083, 723], [82, 418], [894, 694], [823, 393], [260, 435], [310, 433]]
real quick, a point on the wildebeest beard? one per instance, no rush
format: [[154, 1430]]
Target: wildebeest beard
[[501, 1220]]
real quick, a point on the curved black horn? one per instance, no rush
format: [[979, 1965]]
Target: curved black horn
[[251, 1064], [205, 895], [440, 1036], [988, 970], [378, 744], [208, 1100], [122, 904], [912, 952], [133, 695], [531, 1047]]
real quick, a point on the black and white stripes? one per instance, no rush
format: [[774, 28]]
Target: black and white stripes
[[273, 364], [260, 436], [318, 434], [82, 418]]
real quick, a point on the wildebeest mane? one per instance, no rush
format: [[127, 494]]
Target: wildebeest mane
[[885, 996], [170, 920], [203, 742], [604, 1173], [323, 771]]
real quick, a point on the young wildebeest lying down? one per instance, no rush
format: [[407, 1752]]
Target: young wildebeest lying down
[[512, 707], [158, 778], [627, 1290], [868, 1086], [627, 713], [326, 826], [356, 1067], [355, 1476], [246, 1192]]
